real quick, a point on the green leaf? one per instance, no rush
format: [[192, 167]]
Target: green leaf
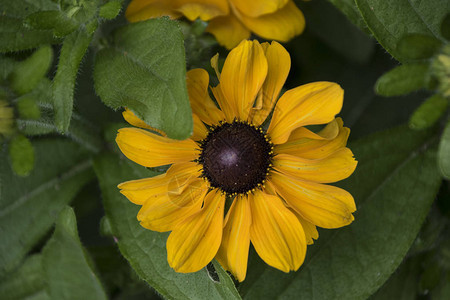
[[146, 250], [67, 268], [55, 20], [394, 185], [349, 8], [110, 10], [27, 74], [21, 9], [21, 154], [27, 281], [72, 52], [402, 285], [402, 80], [145, 71], [16, 37], [389, 21], [429, 112], [29, 206], [418, 46], [444, 152]]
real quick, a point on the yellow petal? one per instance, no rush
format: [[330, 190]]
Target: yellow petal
[[203, 9], [335, 167], [233, 252], [200, 131], [174, 181], [309, 104], [258, 8], [310, 229], [243, 75], [228, 31], [329, 132], [226, 106], [306, 144], [279, 64], [138, 191], [166, 212], [276, 233], [139, 10], [195, 241], [151, 150], [323, 205], [131, 118], [197, 83], [281, 25], [215, 65]]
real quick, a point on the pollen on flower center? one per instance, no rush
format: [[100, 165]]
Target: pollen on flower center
[[236, 157]]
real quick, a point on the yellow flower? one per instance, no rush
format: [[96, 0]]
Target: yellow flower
[[275, 180], [231, 21]]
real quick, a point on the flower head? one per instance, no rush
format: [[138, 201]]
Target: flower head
[[274, 180], [230, 21]]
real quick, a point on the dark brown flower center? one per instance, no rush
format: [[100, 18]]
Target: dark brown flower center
[[236, 157]]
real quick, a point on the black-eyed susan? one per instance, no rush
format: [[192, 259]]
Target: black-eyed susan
[[230, 21], [274, 181]]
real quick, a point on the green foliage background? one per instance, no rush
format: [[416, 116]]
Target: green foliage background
[[68, 67]]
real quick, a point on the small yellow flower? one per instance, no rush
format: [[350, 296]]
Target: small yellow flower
[[230, 21], [274, 180]]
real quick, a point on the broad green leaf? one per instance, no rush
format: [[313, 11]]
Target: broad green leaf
[[418, 46], [145, 71], [16, 37], [22, 8], [29, 206], [26, 282], [146, 250], [394, 185], [27, 74], [67, 268], [402, 80], [55, 20], [444, 152], [429, 112], [21, 155], [349, 8], [73, 49], [389, 21]]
